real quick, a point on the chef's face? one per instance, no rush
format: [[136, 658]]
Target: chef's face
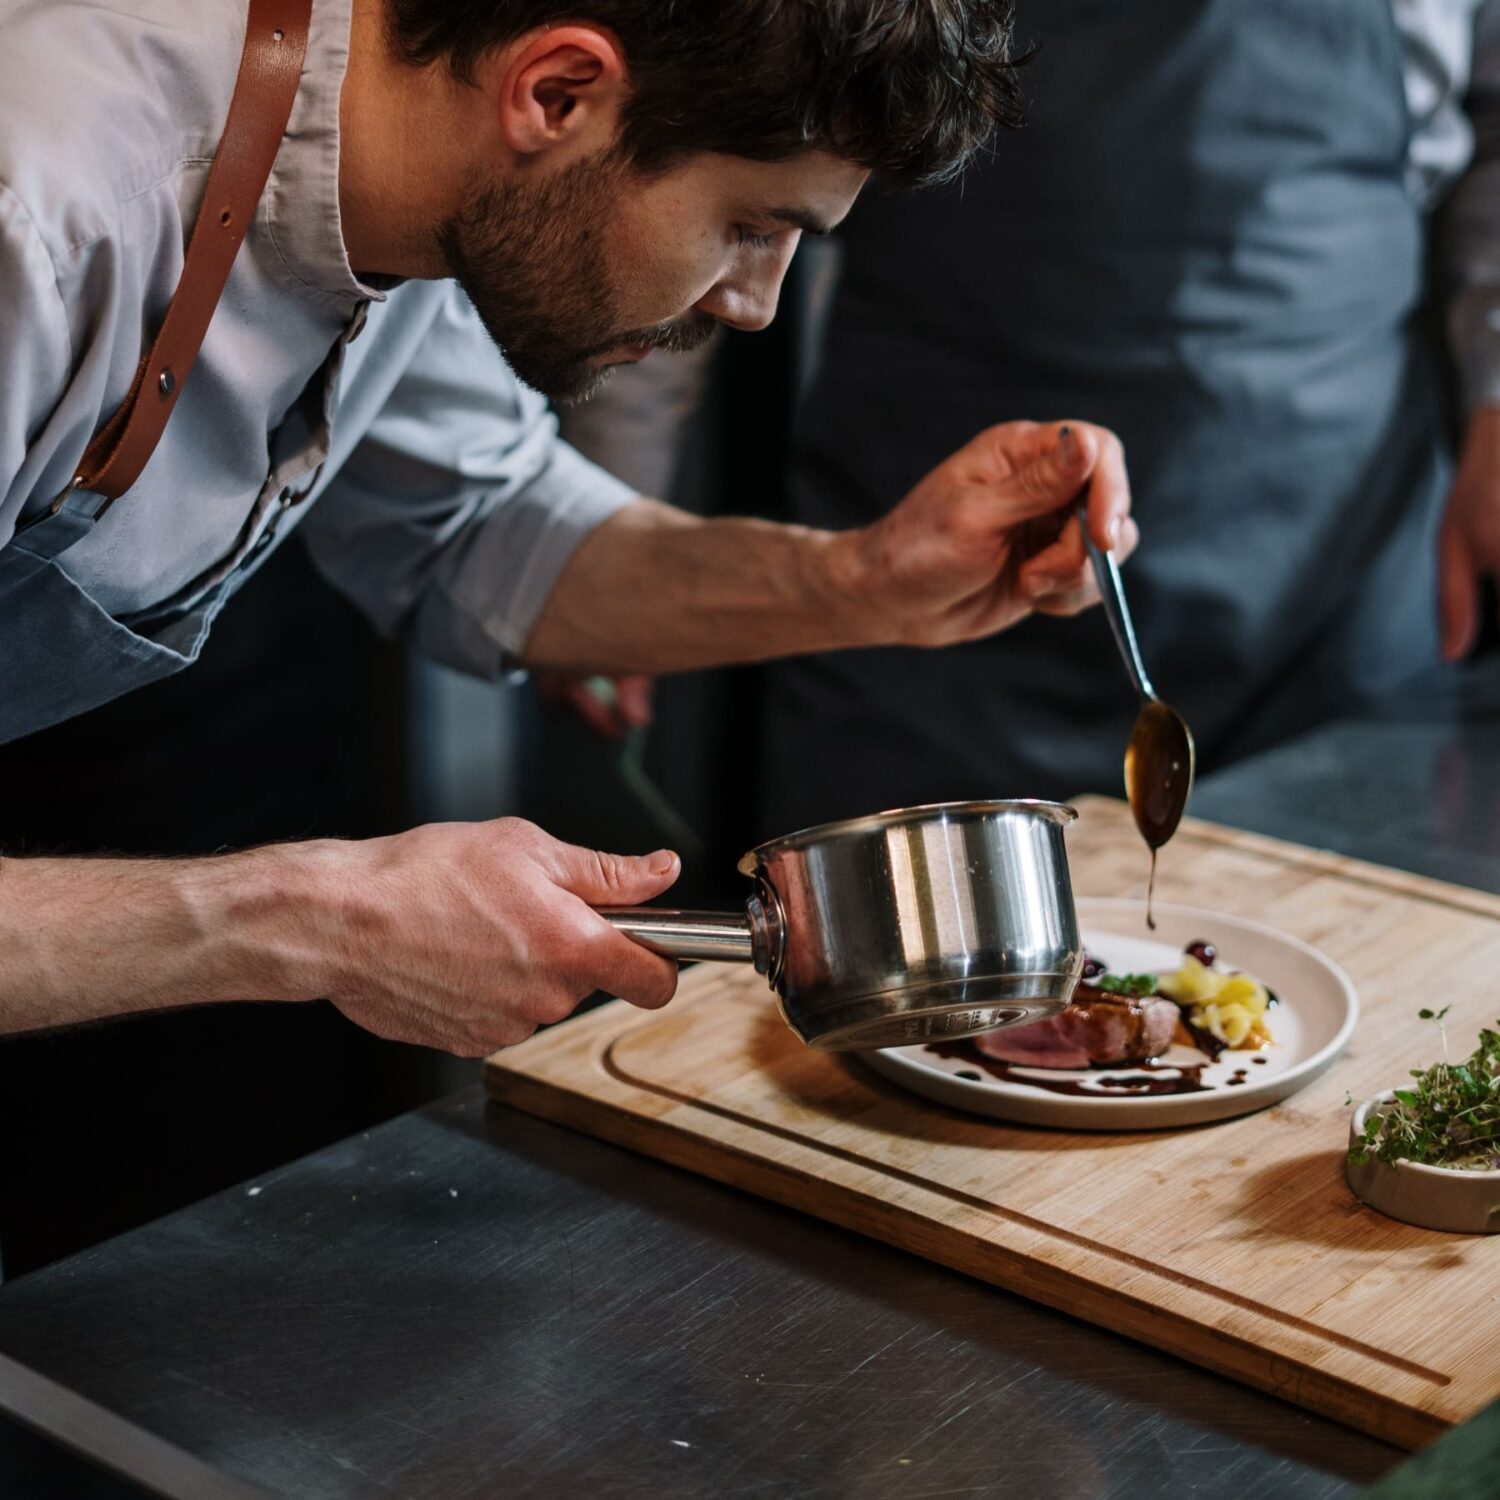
[[595, 264]]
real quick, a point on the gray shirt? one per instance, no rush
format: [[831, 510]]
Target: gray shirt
[[429, 480], [445, 504]]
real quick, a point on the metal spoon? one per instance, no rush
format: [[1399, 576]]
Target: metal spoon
[[1159, 757]]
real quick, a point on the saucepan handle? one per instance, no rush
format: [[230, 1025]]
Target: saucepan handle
[[725, 936]]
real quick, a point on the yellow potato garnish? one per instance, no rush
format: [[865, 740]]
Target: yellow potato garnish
[[1230, 1006]]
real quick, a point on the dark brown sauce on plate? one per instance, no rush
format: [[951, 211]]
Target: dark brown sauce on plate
[[1203, 1039], [1153, 1078], [1127, 1080]]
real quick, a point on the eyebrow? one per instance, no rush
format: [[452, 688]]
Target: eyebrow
[[809, 223]]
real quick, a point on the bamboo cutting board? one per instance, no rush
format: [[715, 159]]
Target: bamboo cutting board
[[1235, 1245]]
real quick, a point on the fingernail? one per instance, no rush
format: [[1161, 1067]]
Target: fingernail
[[1116, 531], [663, 862]]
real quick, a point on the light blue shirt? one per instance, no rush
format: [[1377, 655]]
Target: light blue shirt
[[428, 480]]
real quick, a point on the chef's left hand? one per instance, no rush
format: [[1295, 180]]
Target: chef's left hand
[[990, 535], [1469, 542]]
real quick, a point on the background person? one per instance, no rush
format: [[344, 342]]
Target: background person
[[1211, 237]]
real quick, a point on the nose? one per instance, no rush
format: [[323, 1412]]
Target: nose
[[747, 308], [746, 298]]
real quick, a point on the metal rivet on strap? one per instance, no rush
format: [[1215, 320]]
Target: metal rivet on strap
[[167, 383], [76, 483]]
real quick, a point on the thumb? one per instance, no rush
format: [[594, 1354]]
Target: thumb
[[613, 879], [1053, 479], [1458, 610]]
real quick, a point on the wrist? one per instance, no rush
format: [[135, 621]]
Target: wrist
[[280, 913], [857, 605]]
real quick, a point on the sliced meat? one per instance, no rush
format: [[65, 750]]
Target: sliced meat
[[1098, 1029]]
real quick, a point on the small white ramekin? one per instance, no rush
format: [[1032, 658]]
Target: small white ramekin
[[1431, 1197]]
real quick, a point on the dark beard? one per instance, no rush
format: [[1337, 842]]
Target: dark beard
[[531, 258]]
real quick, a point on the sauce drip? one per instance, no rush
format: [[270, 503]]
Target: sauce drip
[[1158, 778]]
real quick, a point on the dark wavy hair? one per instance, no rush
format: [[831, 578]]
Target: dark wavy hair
[[910, 88]]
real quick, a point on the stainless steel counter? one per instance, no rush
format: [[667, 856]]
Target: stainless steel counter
[[1417, 786], [470, 1303]]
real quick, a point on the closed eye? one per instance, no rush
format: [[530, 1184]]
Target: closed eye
[[755, 241]]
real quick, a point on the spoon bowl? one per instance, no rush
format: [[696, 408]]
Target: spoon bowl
[[1158, 770], [1159, 758]]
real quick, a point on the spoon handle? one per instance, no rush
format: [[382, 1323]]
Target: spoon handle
[[1115, 608]]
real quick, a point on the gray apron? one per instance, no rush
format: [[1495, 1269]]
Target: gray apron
[[1202, 240], [71, 654]]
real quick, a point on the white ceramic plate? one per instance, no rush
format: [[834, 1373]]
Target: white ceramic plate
[[1310, 1027]]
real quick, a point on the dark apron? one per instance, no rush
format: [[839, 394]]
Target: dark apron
[[1202, 240]]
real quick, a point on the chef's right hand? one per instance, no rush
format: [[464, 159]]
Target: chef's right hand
[[468, 936], [992, 535]]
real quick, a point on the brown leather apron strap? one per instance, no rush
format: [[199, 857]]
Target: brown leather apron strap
[[270, 70]]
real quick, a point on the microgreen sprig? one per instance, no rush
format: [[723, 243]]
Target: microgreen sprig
[[1127, 984], [1450, 1117]]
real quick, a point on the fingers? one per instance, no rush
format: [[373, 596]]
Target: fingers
[[1060, 580], [1058, 462], [610, 879], [1109, 495], [607, 959], [633, 700], [626, 969], [1054, 477], [604, 718], [610, 706], [1458, 594]]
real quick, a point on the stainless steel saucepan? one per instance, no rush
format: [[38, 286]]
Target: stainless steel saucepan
[[928, 923]]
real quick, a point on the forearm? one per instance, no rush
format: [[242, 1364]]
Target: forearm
[[83, 939], [986, 538], [655, 589]]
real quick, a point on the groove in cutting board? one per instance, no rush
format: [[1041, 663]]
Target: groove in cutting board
[[1235, 1245], [1370, 1351]]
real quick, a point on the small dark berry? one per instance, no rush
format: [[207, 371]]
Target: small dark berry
[[1205, 953]]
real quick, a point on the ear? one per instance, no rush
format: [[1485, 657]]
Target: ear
[[561, 86]]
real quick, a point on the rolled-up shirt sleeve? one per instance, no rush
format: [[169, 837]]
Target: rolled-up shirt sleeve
[[451, 520]]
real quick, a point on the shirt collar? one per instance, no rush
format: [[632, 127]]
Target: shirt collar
[[301, 202]]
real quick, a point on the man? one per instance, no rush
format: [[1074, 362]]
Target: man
[[1222, 258], [599, 185]]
